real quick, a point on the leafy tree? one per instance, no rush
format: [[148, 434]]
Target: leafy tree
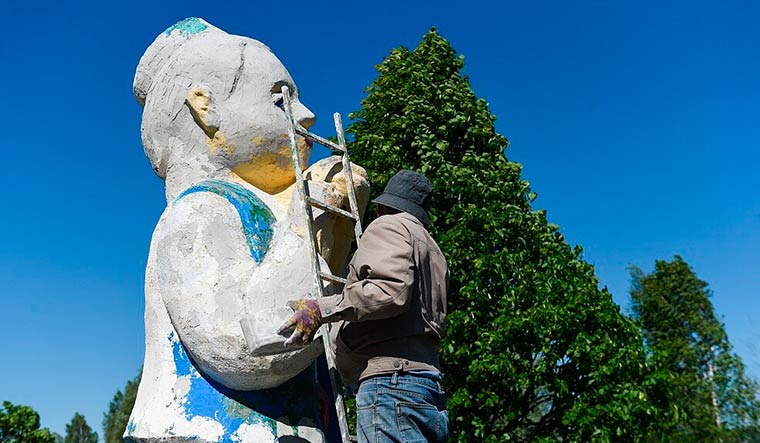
[[21, 424], [716, 400], [534, 350], [116, 419], [78, 431]]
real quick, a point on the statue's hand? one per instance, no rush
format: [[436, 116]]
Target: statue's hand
[[334, 234], [330, 170], [304, 322]]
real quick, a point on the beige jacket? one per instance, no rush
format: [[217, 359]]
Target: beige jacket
[[392, 310]]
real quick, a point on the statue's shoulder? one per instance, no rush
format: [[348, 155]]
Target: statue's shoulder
[[202, 202], [243, 199]]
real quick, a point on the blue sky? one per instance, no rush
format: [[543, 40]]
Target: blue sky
[[637, 125]]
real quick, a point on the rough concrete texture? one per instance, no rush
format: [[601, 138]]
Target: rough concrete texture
[[228, 245]]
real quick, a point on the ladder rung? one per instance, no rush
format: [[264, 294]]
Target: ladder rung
[[337, 211], [332, 278], [322, 141]]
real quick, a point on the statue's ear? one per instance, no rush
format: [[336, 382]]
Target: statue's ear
[[200, 101]]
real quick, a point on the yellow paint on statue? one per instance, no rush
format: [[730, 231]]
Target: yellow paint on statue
[[199, 102], [218, 142], [267, 173]]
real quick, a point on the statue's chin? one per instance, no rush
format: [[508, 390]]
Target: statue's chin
[[266, 174]]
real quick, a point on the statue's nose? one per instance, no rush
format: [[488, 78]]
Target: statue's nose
[[303, 115]]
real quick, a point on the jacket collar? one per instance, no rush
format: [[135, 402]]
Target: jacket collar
[[409, 216]]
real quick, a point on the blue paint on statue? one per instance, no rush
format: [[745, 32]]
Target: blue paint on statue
[[290, 402], [255, 216], [210, 400], [188, 26]]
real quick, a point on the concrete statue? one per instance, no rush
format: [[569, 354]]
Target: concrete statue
[[228, 245]]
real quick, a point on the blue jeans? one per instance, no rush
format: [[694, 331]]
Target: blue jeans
[[401, 408]]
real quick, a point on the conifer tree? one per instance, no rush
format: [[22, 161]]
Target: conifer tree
[[115, 420], [78, 431], [717, 402], [534, 350]]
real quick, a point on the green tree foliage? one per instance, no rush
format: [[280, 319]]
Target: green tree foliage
[[21, 424], [715, 400], [78, 431], [534, 350], [115, 420]]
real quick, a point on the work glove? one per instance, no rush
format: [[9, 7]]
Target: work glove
[[304, 322]]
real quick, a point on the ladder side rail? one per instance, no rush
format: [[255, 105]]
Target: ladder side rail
[[340, 405], [349, 177], [301, 191], [306, 210]]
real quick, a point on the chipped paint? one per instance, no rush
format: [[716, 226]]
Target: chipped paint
[[247, 413], [253, 433]]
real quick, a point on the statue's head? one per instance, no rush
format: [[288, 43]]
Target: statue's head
[[212, 102]]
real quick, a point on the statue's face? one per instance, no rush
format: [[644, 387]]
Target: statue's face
[[253, 129]]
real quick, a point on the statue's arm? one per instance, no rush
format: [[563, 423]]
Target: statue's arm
[[209, 281], [203, 266]]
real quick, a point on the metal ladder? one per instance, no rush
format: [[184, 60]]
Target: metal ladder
[[306, 203]]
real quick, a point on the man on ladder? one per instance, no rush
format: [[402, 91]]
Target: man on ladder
[[390, 317]]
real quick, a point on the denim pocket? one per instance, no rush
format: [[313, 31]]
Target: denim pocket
[[421, 423]]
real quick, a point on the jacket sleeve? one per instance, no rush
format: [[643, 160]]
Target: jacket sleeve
[[380, 277]]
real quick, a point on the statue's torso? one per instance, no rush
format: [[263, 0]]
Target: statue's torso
[[181, 395]]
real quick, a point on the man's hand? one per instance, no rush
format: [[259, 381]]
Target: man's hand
[[304, 322]]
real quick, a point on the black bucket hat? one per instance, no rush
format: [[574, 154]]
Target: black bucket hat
[[408, 191]]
